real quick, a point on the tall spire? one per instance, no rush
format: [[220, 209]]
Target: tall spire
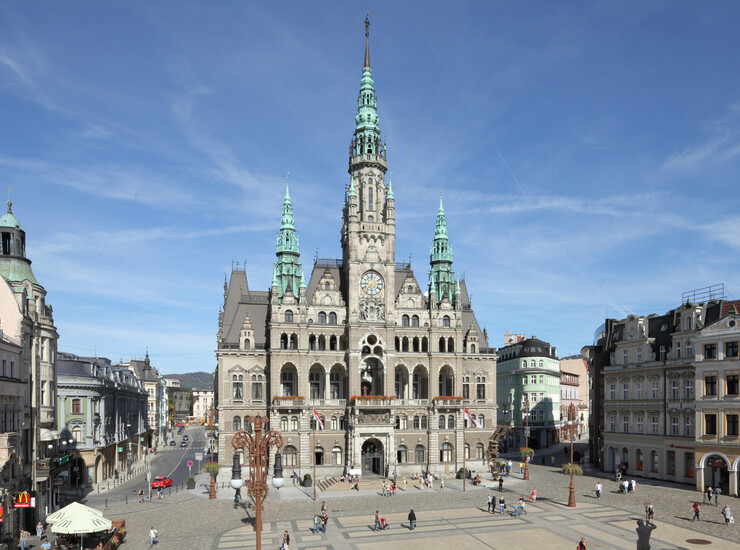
[[366, 147], [288, 268], [441, 274]]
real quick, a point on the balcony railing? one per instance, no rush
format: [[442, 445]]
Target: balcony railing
[[288, 401], [384, 401], [412, 402], [444, 401], [327, 402]]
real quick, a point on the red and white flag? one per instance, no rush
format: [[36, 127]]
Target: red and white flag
[[318, 423], [470, 418]]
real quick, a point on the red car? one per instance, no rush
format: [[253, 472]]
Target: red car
[[161, 482]]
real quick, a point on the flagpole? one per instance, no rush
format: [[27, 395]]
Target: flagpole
[[465, 472], [315, 420]]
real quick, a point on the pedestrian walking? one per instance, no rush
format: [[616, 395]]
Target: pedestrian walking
[[510, 465], [502, 505], [152, 537], [500, 484], [533, 495], [286, 541], [316, 524], [697, 511], [404, 484], [412, 520], [489, 502], [582, 544], [324, 521], [39, 530], [599, 489], [442, 485], [521, 467], [717, 492], [709, 494], [376, 527], [141, 495], [633, 485], [650, 513], [23, 538], [727, 514], [384, 488]]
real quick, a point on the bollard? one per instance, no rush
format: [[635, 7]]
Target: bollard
[[98, 488], [126, 499], [106, 503], [109, 485], [170, 491]]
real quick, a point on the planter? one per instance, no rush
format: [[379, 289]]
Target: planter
[[307, 482], [191, 484]]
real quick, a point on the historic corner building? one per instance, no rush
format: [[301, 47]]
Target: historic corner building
[[388, 368]]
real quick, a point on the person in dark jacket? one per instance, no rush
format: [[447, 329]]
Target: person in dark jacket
[[412, 520]]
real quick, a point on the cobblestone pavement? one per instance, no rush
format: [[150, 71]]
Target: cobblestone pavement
[[189, 520]]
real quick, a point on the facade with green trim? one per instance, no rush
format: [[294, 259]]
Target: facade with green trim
[[528, 379]]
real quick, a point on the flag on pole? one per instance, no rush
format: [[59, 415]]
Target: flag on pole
[[319, 423], [470, 418]]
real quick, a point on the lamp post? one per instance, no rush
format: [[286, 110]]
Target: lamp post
[[526, 443], [571, 487], [258, 445]]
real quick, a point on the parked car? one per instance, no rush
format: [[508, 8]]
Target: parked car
[[161, 482]]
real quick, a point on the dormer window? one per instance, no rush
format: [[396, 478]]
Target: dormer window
[[327, 286], [288, 316], [445, 321]]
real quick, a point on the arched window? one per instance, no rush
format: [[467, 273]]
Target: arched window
[[319, 453], [283, 423], [451, 422], [445, 321], [441, 344], [257, 386], [283, 341], [247, 343], [424, 344], [450, 344], [370, 198], [332, 318], [327, 286], [336, 456], [482, 421], [415, 321], [77, 434], [480, 451], [410, 289], [416, 344], [638, 459], [654, 461], [445, 453], [402, 454], [405, 321], [419, 454], [237, 423], [417, 425], [441, 422], [405, 344], [334, 423], [524, 364], [467, 451], [288, 316], [322, 342], [290, 456], [333, 343], [293, 341], [472, 348], [398, 344], [293, 423], [237, 390], [423, 422], [312, 342], [322, 318], [542, 364]]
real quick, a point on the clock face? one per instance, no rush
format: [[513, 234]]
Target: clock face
[[371, 283]]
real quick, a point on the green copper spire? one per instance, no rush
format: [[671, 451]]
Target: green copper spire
[[288, 268], [367, 134], [441, 275], [390, 195], [352, 190]]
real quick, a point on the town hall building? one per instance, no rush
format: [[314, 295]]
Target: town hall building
[[389, 362]]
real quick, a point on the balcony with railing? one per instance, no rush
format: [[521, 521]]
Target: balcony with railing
[[289, 401], [327, 402], [448, 401], [412, 402], [373, 400]]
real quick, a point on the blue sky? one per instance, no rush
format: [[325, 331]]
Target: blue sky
[[588, 153]]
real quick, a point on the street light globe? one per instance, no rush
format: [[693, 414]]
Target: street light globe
[[277, 478], [236, 482]]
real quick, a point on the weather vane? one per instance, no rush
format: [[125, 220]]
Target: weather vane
[[367, 24]]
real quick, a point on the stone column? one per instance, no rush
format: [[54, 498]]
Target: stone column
[[700, 479], [733, 483]]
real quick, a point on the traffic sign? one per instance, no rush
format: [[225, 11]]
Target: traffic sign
[[198, 456], [120, 449], [190, 463], [526, 432]]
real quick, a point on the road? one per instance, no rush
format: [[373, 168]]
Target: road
[[170, 461]]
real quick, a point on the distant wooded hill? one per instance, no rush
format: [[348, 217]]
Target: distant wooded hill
[[194, 380]]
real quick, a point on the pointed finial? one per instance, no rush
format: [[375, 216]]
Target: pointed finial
[[10, 203], [367, 39], [303, 280], [390, 187], [287, 191], [441, 208]]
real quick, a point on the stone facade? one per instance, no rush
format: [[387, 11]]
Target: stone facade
[[28, 320], [386, 362], [202, 403], [101, 409]]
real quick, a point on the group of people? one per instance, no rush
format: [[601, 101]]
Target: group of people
[[713, 492], [389, 490], [505, 467], [627, 486], [320, 520]]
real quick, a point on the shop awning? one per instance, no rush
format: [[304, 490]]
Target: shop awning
[[48, 435]]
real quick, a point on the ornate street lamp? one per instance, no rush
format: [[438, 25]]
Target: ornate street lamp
[[526, 444], [571, 487], [258, 445]]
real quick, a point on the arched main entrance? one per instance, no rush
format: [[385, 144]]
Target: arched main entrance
[[717, 474], [372, 457]]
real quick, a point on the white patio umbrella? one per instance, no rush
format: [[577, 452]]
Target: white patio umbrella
[[78, 519]]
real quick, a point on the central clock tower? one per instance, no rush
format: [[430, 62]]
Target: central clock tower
[[369, 225]]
